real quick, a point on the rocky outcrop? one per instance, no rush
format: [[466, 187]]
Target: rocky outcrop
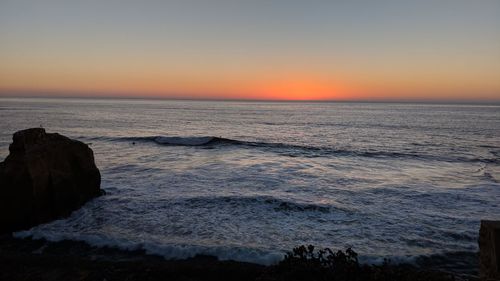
[[489, 250], [46, 176]]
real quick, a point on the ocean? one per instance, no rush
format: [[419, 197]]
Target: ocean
[[249, 181]]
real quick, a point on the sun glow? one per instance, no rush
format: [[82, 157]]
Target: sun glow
[[302, 89]]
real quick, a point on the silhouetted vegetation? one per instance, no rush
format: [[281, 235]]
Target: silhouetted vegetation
[[306, 263]]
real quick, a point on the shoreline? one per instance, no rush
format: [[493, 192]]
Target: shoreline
[[28, 259]]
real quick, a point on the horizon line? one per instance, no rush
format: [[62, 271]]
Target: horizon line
[[111, 97]]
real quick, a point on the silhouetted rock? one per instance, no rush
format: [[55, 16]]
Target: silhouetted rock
[[489, 250], [45, 176]]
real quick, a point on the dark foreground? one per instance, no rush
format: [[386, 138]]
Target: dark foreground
[[26, 259]]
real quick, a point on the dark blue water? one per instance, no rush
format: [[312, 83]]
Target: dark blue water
[[248, 180]]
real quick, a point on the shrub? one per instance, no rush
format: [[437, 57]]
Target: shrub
[[306, 263]]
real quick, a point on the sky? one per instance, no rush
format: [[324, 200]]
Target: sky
[[265, 50]]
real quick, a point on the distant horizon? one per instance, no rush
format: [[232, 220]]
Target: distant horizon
[[168, 98], [429, 97]]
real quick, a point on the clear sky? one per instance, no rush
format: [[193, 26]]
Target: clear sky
[[231, 49]]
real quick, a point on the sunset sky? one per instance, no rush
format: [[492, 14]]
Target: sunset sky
[[277, 50]]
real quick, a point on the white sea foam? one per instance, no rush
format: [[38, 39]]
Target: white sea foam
[[179, 251], [173, 251]]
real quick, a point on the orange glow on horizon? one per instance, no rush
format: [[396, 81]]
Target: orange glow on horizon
[[286, 87], [300, 89], [262, 86]]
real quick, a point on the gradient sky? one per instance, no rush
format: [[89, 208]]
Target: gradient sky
[[282, 49]]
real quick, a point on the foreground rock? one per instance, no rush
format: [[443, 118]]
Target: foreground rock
[[489, 250], [45, 176]]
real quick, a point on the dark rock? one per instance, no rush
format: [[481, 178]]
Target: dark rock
[[489, 250], [45, 176]]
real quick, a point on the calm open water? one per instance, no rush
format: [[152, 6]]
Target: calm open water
[[250, 180]]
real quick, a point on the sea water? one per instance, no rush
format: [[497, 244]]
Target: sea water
[[251, 180]]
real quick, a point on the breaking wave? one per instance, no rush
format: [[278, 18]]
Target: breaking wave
[[291, 150]]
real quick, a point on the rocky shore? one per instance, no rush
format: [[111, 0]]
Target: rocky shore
[[26, 259]]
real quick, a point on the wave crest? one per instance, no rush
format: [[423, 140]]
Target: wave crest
[[186, 141], [293, 150], [277, 204]]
